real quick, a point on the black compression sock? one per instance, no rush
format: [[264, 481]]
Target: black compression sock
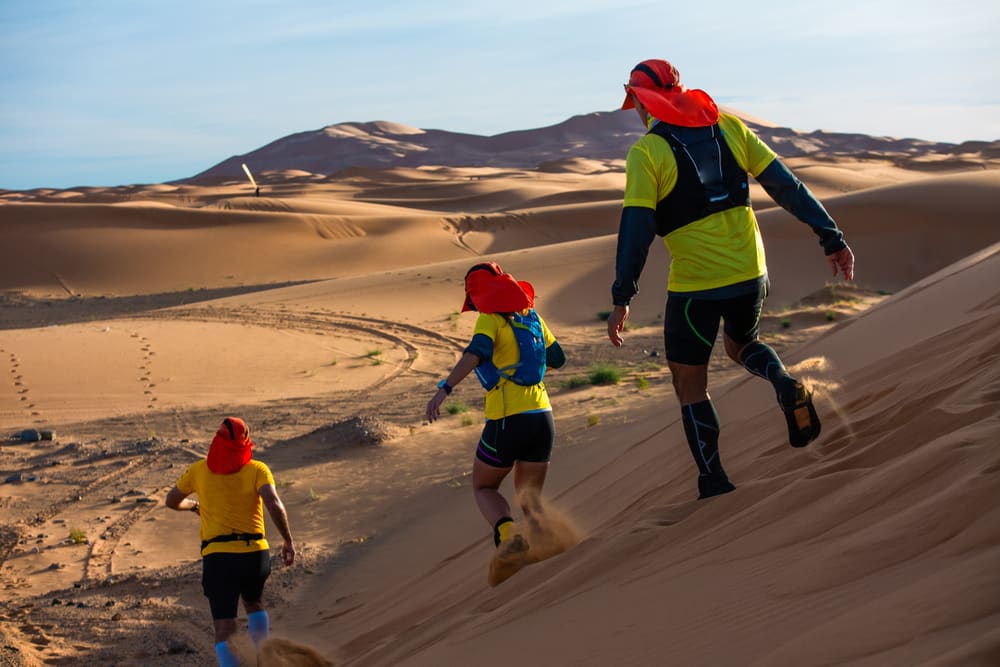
[[763, 361], [701, 425]]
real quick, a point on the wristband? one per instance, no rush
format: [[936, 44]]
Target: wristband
[[443, 384], [196, 508]]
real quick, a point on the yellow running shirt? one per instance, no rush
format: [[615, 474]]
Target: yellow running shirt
[[229, 504], [721, 249], [508, 398]]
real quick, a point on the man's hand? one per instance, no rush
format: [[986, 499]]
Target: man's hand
[[616, 322], [842, 261], [288, 552]]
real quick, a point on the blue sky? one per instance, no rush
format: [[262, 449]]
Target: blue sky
[[106, 92]]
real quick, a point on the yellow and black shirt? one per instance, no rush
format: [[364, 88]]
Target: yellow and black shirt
[[717, 251]]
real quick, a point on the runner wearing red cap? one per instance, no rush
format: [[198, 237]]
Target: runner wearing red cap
[[510, 349], [686, 180], [232, 490]]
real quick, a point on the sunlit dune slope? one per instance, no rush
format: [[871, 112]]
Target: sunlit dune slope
[[105, 249], [845, 552]]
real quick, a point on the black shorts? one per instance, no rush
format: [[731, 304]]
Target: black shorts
[[691, 325], [226, 577], [527, 436]]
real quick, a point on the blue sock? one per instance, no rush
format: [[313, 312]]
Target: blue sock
[[259, 626], [225, 655]]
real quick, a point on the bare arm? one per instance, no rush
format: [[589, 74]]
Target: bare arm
[[277, 511], [465, 365], [178, 500]]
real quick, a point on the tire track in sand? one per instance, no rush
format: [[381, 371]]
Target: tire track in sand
[[413, 339]]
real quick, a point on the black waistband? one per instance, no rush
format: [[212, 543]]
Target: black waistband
[[233, 537]]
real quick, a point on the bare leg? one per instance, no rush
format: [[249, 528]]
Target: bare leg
[[486, 482], [690, 382], [224, 629], [251, 607], [529, 477], [733, 349]]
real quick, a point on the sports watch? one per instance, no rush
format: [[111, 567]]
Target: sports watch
[[443, 384]]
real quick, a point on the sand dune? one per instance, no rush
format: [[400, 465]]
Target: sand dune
[[843, 552], [98, 249], [899, 233], [595, 136], [132, 318], [325, 235]]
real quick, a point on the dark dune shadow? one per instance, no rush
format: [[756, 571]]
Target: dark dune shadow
[[21, 311]]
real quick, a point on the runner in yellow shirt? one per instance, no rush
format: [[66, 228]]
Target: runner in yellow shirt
[[510, 349], [232, 491], [686, 180]]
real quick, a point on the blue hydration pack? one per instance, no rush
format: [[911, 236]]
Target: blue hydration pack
[[530, 367]]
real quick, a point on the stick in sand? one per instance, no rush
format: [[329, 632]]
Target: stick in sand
[[252, 182]]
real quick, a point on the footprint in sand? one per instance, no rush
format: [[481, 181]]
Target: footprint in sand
[[667, 515], [146, 373], [22, 392]]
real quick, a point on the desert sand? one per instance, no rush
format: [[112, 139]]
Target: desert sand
[[134, 318]]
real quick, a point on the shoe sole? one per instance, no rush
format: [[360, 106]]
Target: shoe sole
[[803, 422], [711, 493]]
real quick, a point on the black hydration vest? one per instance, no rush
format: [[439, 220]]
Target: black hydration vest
[[709, 179]]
